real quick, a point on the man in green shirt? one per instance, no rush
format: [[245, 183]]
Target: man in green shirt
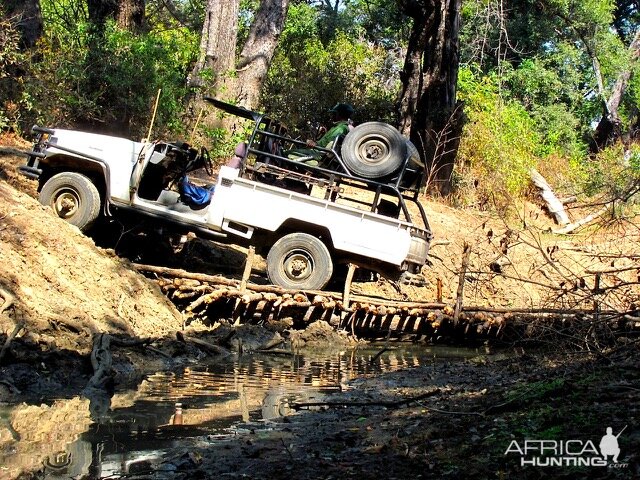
[[341, 114]]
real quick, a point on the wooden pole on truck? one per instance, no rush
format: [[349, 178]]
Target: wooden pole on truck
[[153, 117]]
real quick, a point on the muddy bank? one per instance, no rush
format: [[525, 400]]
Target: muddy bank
[[448, 419], [440, 421]]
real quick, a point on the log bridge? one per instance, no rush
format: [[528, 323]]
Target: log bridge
[[213, 297]]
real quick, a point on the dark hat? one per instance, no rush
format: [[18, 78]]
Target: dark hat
[[343, 109]]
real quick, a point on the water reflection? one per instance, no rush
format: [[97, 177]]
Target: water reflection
[[211, 401]]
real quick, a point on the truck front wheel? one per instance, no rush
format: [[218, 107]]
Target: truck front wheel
[[299, 261], [73, 197]]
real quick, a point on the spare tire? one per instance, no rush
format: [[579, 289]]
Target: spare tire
[[374, 150]]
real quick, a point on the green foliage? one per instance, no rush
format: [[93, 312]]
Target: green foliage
[[107, 80], [500, 143], [308, 76], [10, 59], [614, 173]]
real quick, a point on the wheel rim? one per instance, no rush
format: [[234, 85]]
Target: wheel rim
[[298, 265], [373, 150], [66, 203]]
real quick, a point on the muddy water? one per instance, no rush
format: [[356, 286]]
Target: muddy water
[[134, 429]]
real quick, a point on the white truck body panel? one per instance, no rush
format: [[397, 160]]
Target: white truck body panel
[[267, 207], [120, 154]]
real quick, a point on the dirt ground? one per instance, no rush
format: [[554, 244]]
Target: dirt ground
[[62, 289]]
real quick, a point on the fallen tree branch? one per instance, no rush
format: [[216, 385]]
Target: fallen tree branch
[[101, 361], [8, 298], [588, 219], [203, 345], [10, 338]]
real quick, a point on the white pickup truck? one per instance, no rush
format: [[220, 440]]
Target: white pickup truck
[[307, 219]]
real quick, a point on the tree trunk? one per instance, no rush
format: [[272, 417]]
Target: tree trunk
[[27, 16], [217, 45], [608, 128], [130, 15], [429, 114], [258, 51]]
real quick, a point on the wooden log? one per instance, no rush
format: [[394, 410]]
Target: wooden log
[[300, 297], [329, 305], [177, 272], [251, 297], [555, 207], [247, 268], [186, 282], [208, 298], [347, 286], [293, 303], [466, 252], [319, 300], [238, 311], [202, 345], [588, 219]]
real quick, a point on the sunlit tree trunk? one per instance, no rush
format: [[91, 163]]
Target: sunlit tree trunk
[[28, 18], [429, 113], [258, 51], [217, 46], [130, 14], [609, 127]]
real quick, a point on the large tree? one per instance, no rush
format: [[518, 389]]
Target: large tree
[[217, 44], [429, 113], [258, 50], [238, 79]]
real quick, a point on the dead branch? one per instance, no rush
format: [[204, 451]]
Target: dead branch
[[177, 272], [10, 338], [203, 345], [461, 279], [8, 300], [101, 361], [588, 219]]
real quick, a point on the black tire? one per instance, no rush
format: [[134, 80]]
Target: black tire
[[413, 155], [374, 150], [299, 261], [73, 197]]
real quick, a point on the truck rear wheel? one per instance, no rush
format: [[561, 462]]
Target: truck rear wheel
[[73, 197], [299, 261], [373, 150]]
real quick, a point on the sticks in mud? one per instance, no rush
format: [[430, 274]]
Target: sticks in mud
[[205, 296]]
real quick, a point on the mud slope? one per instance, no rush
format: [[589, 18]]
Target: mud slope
[[60, 281]]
